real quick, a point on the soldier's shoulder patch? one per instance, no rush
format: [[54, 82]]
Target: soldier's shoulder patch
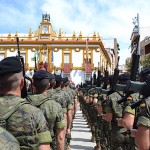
[[142, 105]]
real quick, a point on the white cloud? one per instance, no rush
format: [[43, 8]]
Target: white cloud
[[111, 18]]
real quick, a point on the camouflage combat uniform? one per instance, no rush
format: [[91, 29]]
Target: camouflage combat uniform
[[58, 96], [144, 114], [52, 112], [117, 138], [127, 109], [27, 123], [50, 92], [8, 141], [104, 127]]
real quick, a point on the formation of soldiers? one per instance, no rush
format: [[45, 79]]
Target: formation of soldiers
[[41, 120], [119, 116]]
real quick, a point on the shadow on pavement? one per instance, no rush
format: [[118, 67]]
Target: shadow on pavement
[[81, 147], [85, 126], [80, 130], [81, 139], [81, 123]]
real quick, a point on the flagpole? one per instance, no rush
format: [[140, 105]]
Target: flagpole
[[86, 50]]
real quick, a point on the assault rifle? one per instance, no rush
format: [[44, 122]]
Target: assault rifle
[[24, 89], [35, 66], [115, 79], [105, 79], [135, 61], [94, 79], [99, 76], [145, 93], [131, 87]]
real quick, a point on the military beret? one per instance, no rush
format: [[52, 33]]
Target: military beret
[[65, 80], [10, 65], [41, 74], [51, 76], [58, 78], [145, 72]]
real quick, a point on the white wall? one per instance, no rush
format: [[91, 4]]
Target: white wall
[[31, 58], [96, 58], [77, 58], [1, 56], [9, 53], [57, 58]]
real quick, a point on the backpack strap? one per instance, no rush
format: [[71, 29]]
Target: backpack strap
[[39, 103], [9, 113]]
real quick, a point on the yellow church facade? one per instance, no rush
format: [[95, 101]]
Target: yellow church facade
[[75, 56]]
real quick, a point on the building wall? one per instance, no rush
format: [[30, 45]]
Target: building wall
[[96, 56], [77, 58], [51, 48], [31, 58], [57, 58]]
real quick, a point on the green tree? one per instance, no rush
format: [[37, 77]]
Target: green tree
[[146, 61]]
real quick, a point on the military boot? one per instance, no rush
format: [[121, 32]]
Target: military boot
[[98, 146], [92, 138], [68, 147]]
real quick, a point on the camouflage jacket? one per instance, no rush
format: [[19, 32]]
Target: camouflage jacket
[[8, 141], [27, 123], [113, 107], [60, 97], [51, 109], [69, 97], [144, 113], [50, 92]]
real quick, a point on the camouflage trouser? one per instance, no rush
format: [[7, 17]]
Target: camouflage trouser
[[67, 140], [123, 140], [53, 144], [117, 139], [104, 135]]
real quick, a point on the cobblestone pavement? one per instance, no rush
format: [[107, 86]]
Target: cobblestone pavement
[[81, 134]]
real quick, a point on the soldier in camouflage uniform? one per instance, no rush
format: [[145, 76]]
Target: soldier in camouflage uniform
[[51, 89], [103, 133], [127, 120], [70, 100], [51, 109], [26, 122], [113, 112], [142, 138], [142, 133], [8, 141], [63, 99]]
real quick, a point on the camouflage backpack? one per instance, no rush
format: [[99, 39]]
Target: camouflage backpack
[[9, 112], [8, 141], [36, 101], [60, 98]]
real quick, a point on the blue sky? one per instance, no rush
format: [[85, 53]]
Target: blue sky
[[111, 18]]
